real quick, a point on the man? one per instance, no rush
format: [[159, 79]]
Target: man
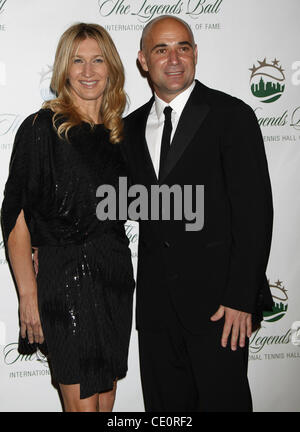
[[197, 290]]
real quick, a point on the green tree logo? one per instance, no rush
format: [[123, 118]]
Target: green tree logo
[[267, 80], [280, 303]]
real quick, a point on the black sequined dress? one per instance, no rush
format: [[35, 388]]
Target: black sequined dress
[[85, 278]]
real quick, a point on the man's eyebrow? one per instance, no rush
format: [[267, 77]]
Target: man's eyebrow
[[163, 45], [185, 43]]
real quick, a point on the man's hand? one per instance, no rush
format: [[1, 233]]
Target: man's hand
[[237, 322]]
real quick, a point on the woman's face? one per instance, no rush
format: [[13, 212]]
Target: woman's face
[[88, 72]]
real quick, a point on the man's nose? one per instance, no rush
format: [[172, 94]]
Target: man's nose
[[173, 56]]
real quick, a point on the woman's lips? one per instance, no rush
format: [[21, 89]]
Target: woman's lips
[[88, 84]]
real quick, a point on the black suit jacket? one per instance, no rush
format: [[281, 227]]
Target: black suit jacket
[[217, 144]]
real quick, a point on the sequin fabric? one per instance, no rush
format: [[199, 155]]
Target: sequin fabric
[[85, 279]]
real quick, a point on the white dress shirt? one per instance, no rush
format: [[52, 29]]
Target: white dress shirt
[[155, 122]]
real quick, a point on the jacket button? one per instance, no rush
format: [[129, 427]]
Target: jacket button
[[166, 244]]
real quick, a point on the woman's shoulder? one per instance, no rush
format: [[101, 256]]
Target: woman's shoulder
[[40, 118], [36, 127]]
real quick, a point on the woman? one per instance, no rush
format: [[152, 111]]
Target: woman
[[81, 300]]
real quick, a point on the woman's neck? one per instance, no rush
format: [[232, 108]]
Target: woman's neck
[[90, 109]]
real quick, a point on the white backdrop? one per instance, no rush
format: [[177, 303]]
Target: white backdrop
[[248, 48]]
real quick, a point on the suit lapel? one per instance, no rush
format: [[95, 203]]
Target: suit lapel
[[193, 115]]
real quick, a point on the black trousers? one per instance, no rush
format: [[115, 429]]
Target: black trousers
[[189, 373]]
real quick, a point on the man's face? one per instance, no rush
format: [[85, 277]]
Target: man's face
[[170, 57]]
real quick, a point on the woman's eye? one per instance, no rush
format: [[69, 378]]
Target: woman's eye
[[77, 60], [99, 60]]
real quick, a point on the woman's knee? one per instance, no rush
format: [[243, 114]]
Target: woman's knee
[[72, 401], [107, 399]]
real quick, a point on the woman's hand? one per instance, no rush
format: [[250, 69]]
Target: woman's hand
[[30, 319]]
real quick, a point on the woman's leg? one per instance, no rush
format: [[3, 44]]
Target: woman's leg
[[107, 399], [72, 401]]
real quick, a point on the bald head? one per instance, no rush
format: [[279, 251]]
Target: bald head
[[169, 55], [161, 19]]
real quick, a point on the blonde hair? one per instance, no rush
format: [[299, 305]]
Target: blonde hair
[[114, 97]]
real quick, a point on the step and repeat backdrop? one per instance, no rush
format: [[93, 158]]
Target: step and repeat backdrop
[[248, 48]]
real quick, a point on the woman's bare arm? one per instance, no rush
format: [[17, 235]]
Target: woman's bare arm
[[19, 251]]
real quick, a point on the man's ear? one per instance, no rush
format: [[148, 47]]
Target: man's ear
[[196, 54], [142, 60]]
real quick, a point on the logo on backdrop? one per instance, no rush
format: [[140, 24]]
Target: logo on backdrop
[[9, 123], [295, 121], [273, 335], [2, 4], [280, 302], [267, 80], [2, 9], [146, 10], [27, 363], [267, 85], [45, 80], [11, 355]]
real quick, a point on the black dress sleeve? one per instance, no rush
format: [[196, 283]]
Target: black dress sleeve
[[24, 183]]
